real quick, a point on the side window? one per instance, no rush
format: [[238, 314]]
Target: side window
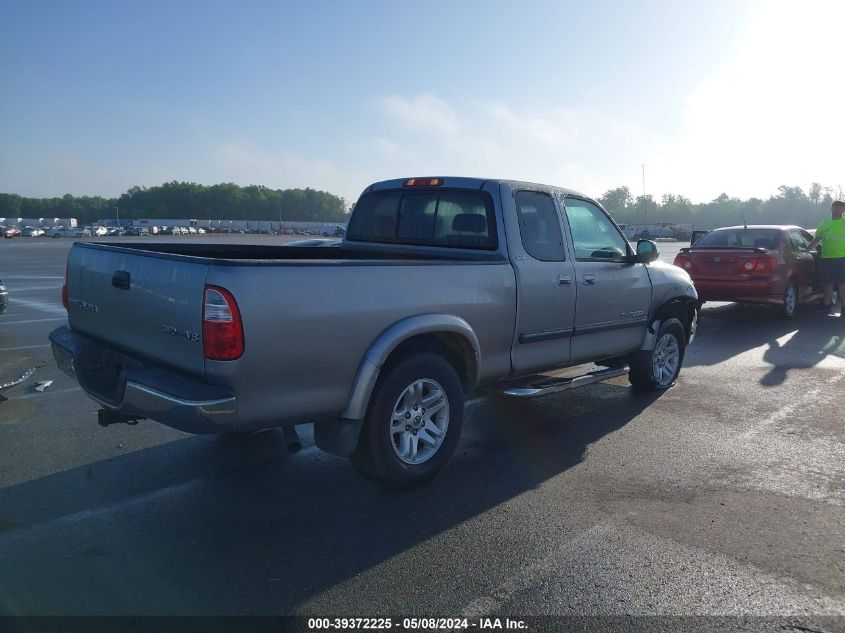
[[594, 235], [798, 243], [539, 226], [807, 237]]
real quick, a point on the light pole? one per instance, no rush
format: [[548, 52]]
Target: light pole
[[645, 206]]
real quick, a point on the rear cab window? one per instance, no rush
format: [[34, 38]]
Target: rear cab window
[[445, 218]]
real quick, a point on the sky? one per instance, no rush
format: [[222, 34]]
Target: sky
[[711, 97]]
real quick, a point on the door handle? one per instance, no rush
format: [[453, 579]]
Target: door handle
[[589, 280], [564, 280]]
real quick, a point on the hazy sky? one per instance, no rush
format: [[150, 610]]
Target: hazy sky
[[715, 96]]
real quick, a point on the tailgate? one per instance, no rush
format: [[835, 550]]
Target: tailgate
[[145, 304], [720, 264]]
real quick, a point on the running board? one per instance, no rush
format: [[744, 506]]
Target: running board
[[544, 385]]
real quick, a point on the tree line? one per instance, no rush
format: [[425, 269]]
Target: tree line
[[176, 200], [228, 201], [791, 205]]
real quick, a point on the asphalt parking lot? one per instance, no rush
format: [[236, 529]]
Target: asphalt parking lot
[[724, 495]]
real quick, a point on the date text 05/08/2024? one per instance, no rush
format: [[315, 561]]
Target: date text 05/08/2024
[[424, 624]]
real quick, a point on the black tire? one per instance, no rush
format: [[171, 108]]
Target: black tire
[[789, 305], [642, 375], [376, 455]]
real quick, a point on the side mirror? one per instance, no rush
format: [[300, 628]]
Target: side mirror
[[647, 251]]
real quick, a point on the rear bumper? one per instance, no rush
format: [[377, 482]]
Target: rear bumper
[[749, 290], [126, 385]]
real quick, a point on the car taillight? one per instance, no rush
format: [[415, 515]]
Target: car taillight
[[64, 290], [761, 265], [683, 262], [222, 330]]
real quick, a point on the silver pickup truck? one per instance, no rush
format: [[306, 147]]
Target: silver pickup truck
[[441, 286]]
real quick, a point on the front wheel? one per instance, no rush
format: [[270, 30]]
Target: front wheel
[[658, 369], [413, 423]]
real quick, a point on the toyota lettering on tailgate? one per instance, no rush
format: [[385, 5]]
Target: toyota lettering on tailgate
[[84, 305]]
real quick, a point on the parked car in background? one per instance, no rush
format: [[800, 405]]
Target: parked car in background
[[4, 297], [768, 264], [61, 231], [32, 231], [12, 231]]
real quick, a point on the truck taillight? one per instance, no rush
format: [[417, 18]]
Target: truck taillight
[[222, 330], [64, 290]]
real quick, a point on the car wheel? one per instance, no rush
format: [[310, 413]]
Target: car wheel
[[413, 423], [790, 300], [658, 369]]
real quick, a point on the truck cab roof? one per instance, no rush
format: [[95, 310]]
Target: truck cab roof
[[462, 182]]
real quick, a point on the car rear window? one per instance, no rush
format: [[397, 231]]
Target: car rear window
[[741, 238], [451, 218]]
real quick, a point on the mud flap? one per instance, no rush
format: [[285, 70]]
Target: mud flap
[[338, 437]]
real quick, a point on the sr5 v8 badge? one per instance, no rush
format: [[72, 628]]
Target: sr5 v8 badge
[[186, 334]]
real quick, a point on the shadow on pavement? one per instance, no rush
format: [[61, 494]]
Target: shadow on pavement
[[210, 525], [728, 330]]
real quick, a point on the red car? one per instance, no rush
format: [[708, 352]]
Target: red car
[[755, 264], [12, 232]]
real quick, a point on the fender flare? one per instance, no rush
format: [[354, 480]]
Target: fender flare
[[661, 313], [380, 350]]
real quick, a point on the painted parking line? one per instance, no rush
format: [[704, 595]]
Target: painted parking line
[[15, 290], [47, 392], [50, 307], [14, 349], [28, 321]]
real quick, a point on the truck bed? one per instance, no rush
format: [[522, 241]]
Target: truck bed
[[309, 314], [298, 255]]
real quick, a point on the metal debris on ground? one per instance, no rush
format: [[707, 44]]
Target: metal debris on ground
[[23, 377], [43, 384]]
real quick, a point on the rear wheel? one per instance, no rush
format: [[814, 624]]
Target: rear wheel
[[657, 369], [413, 423], [789, 303]]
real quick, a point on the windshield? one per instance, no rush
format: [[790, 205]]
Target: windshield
[[740, 238]]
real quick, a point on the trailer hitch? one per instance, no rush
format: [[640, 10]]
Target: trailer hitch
[[106, 418]]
